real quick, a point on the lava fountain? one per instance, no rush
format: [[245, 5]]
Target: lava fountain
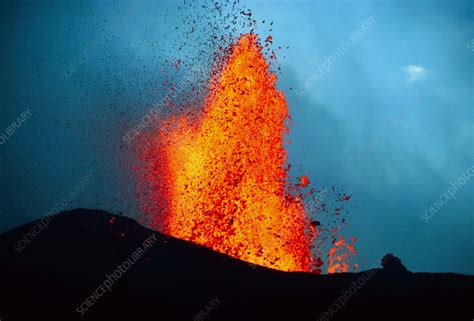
[[220, 179]]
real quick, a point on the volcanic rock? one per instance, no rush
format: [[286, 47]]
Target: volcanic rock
[[391, 263], [66, 264]]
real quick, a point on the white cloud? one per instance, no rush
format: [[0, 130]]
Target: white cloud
[[414, 72]]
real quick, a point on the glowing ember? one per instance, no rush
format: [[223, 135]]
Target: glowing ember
[[339, 255], [219, 178]]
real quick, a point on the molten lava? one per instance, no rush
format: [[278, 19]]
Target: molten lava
[[220, 179], [339, 256]]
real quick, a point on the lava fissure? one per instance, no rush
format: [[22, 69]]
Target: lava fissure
[[220, 179]]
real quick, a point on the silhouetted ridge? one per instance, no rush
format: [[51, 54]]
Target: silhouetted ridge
[[169, 279]]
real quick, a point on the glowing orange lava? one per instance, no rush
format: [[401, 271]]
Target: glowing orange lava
[[339, 256], [220, 178]]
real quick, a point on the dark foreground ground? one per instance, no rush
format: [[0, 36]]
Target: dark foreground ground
[[61, 273]]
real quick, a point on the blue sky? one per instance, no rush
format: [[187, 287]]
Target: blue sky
[[391, 122]]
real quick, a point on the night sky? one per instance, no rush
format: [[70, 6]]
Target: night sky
[[389, 121]]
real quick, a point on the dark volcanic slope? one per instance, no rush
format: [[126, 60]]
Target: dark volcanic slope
[[64, 264]]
